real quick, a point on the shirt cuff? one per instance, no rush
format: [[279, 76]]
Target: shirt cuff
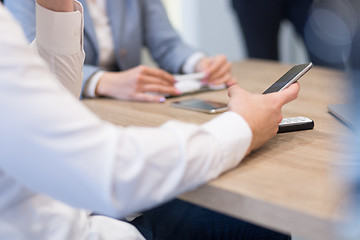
[[60, 32], [234, 135], [190, 63], [90, 86]]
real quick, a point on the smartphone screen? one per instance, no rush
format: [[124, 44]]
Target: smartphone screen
[[294, 74], [201, 105]]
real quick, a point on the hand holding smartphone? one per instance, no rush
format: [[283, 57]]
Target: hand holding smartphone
[[290, 77]]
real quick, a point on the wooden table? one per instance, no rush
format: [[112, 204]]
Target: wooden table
[[290, 183]]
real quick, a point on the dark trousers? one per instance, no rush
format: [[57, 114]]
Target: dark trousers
[[181, 220], [260, 23]]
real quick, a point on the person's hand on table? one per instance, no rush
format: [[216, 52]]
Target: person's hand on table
[[217, 69], [137, 84], [57, 5], [261, 111]]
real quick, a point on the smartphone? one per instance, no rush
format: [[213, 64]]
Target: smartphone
[[294, 74], [201, 105]]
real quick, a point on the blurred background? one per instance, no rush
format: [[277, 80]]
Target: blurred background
[[204, 28]]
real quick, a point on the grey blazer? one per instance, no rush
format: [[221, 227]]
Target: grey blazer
[[134, 24]]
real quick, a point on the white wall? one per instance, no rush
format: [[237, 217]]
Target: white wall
[[210, 25]]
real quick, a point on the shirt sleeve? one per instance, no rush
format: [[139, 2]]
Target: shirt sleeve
[[89, 89], [190, 63], [62, 47], [52, 144]]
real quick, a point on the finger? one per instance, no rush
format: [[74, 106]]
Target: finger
[[223, 70], [203, 65], [145, 97], [160, 89], [216, 64], [289, 94], [222, 80], [146, 79], [159, 74], [280, 118], [234, 89], [231, 82]]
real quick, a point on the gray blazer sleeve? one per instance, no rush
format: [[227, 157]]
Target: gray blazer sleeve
[[163, 42]]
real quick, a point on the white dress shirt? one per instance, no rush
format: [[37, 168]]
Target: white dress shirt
[[97, 9], [53, 147]]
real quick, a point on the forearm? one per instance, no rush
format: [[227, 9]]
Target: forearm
[[177, 157]]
